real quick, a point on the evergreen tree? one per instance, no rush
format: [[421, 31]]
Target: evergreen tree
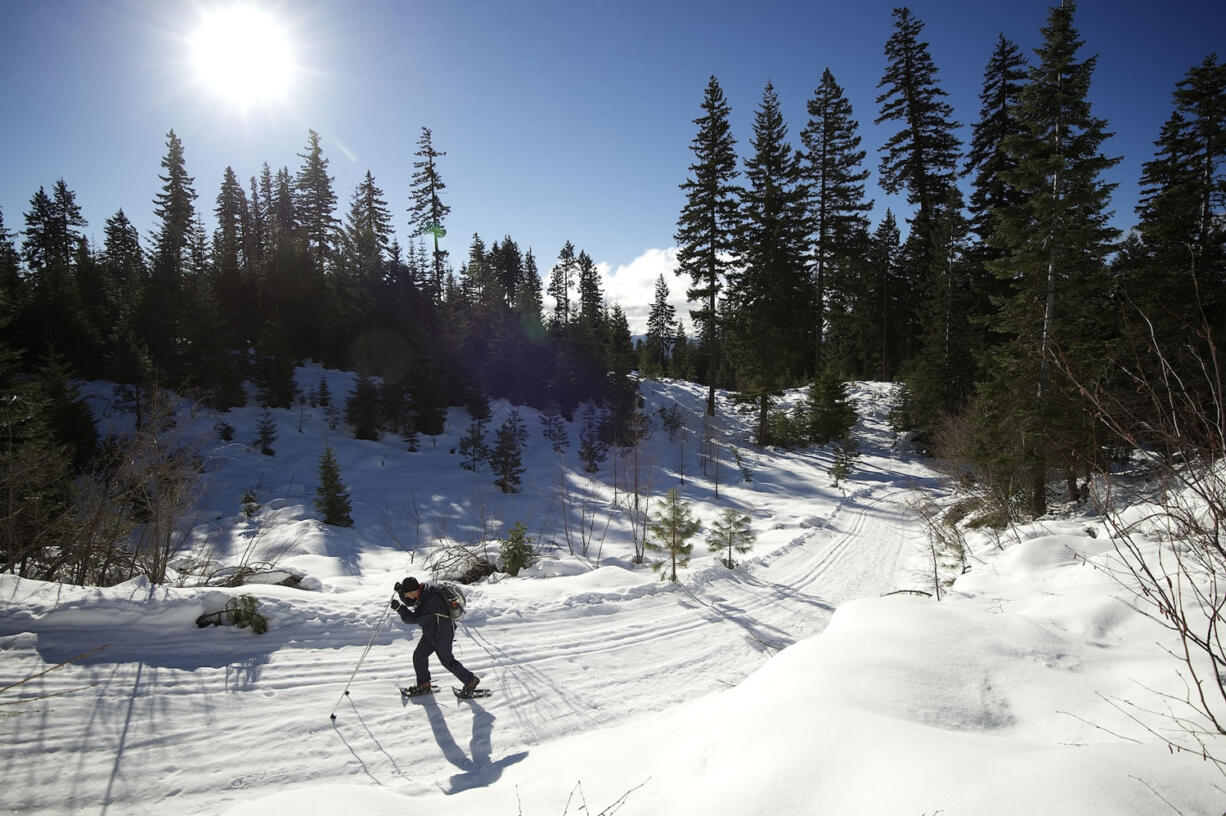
[[1183, 209], [1056, 244], [922, 156], [553, 428], [506, 460], [54, 316], [428, 213], [362, 409], [731, 535], [315, 204], [592, 448], [331, 495], [771, 294], [707, 226], [266, 433], [126, 277], [831, 411], [231, 281], [990, 165], [831, 168], [171, 259], [670, 532], [661, 328], [367, 235], [561, 279], [473, 449], [528, 303], [987, 158]]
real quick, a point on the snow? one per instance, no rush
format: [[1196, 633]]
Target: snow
[[791, 685]]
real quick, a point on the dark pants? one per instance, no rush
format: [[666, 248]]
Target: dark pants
[[437, 637]]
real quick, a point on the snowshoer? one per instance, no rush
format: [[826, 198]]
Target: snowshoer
[[427, 606]]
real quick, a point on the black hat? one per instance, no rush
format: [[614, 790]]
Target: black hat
[[409, 585]]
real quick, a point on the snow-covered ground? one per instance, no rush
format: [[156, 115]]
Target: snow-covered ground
[[791, 685]]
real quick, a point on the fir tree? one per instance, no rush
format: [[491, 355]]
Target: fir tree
[[506, 460], [921, 157], [54, 317], [770, 297], [362, 409], [315, 203], [266, 433], [231, 283], [1055, 245], [428, 213], [670, 532], [661, 328], [990, 165], [1183, 208], [732, 536], [707, 225], [332, 496], [592, 448], [553, 428], [831, 168], [174, 207], [473, 449], [831, 411], [561, 278], [516, 551]]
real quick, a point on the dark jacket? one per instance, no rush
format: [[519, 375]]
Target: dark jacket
[[431, 609]]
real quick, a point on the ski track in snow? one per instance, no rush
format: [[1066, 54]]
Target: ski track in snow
[[117, 728]]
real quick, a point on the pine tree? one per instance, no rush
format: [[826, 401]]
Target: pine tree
[[473, 449], [1056, 244], [171, 258], [661, 328], [561, 279], [231, 279], [54, 317], [707, 226], [428, 214], [731, 534], [670, 532], [831, 168], [362, 409], [1183, 208], [266, 433], [367, 236], [770, 296], [831, 411], [922, 156], [315, 204], [990, 165], [506, 460], [332, 496], [592, 448], [553, 428]]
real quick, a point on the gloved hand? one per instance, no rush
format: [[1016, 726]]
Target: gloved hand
[[395, 604]]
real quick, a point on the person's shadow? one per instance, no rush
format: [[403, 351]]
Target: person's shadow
[[480, 771]]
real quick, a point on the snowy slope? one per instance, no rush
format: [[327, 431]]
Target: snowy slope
[[786, 686]]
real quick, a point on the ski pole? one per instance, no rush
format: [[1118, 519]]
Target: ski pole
[[386, 609]]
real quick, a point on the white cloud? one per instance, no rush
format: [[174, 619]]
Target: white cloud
[[633, 287]]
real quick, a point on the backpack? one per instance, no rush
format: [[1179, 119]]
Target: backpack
[[456, 602]]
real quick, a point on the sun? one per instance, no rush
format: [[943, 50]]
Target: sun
[[243, 55]]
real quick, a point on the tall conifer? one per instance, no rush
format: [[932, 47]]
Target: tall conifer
[[707, 227]]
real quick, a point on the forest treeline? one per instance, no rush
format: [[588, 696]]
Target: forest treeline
[[1006, 278]]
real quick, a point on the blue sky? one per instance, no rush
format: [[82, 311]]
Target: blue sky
[[561, 120]]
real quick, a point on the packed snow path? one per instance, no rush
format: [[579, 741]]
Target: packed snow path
[[167, 718]]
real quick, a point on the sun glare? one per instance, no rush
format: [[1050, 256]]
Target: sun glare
[[243, 55]]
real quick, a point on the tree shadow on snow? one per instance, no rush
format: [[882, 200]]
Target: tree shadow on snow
[[480, 770]]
